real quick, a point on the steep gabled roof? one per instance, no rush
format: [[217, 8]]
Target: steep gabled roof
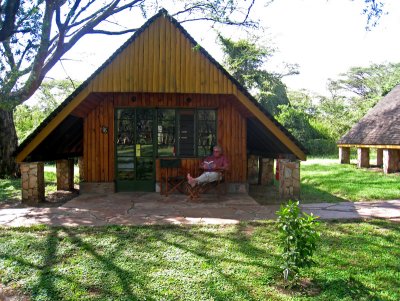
[[380, 126], [70, 103]]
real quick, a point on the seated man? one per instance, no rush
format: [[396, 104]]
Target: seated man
[[212, 166]]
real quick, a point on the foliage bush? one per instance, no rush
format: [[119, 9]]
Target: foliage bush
[[321, 147], [298, 238]]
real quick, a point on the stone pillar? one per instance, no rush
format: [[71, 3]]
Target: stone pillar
[[32, 178], [252, 170], [362, 157], [379, 157], [267, 171], [390, 160], [65, 174], [81, 166], [344, 155], [289, 179]]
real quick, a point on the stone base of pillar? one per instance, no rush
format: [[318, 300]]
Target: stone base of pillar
[[344, 155], [363, 157], [289, 179], [267, 171], [32, 183], [390, 160], [252, 170], [65, 174], [81, 166]]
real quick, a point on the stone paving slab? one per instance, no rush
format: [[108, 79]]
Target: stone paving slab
[[151, 208]]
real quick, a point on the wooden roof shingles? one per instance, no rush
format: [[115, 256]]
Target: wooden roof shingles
[[380, 126]]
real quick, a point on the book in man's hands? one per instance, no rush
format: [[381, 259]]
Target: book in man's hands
[[208, 164]]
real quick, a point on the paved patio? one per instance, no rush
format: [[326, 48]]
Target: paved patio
[[150, 208]]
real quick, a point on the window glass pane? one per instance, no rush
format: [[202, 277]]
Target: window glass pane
[[125, 150], [166, 132], [144, 169], [186, 133], [206, 115], [126, 163], [125, 132], [206, 132]]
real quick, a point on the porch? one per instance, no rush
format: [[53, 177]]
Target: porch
[[141, 208]]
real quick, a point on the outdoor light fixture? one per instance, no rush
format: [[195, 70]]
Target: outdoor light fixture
[[133, 98], [104, 129], [188, 100]]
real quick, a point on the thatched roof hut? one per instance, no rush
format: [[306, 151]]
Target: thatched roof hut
[[380, 129]]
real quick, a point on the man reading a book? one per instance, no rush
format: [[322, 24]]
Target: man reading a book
[[212, 166]]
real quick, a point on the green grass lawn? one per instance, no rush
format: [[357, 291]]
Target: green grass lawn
[[325, 180], [355, 261]]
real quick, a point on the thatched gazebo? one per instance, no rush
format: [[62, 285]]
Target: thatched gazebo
[[379, 129]]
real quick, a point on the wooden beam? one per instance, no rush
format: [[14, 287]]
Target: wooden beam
[[370, 146], [51, 126], [271, 126]]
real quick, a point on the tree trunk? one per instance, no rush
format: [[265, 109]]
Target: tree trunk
[[8, 144]]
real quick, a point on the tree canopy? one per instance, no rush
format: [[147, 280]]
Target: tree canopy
[[247, 61]]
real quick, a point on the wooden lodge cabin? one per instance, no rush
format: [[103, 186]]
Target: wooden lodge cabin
[[159, 95]]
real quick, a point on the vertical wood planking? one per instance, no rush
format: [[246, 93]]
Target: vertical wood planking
[[85, 148], [157, 58], [135, 65], [151, 50], [140, 63], [163, 61], [111, 139], [174, 61], [145, 72], [168, 64]]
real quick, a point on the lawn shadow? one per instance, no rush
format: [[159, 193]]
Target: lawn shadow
[[345, 289], [198, 244], [269, 195]]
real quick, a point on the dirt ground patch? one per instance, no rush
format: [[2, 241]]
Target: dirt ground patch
[[52, 199]]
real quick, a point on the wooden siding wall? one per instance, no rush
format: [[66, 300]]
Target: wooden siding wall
[[99, 147], [161, 59]]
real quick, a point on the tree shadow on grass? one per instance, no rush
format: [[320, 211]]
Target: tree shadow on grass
[[345, 289], [309, 193]]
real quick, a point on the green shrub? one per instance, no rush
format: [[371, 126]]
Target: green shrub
[[298, 238]]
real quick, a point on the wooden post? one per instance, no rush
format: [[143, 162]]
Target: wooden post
[[362, 157], [379, 157], [390, 160], [344, 155]]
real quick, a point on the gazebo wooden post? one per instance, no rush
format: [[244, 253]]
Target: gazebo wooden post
[[390, 160], [362, 157], [379, 157], [344, 155]]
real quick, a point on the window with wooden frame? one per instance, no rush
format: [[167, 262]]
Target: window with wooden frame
[[186, 132]]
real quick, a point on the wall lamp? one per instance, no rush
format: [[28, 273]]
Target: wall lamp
[[104, 129]]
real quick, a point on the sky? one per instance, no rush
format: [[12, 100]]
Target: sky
[[324, 37]]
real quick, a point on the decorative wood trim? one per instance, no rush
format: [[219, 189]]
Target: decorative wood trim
[[370, 146], [51, 126]]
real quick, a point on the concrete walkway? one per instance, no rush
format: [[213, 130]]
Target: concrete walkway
[[151, 208]]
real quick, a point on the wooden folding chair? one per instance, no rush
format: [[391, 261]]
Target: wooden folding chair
[[172, 176], [220, 186]]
